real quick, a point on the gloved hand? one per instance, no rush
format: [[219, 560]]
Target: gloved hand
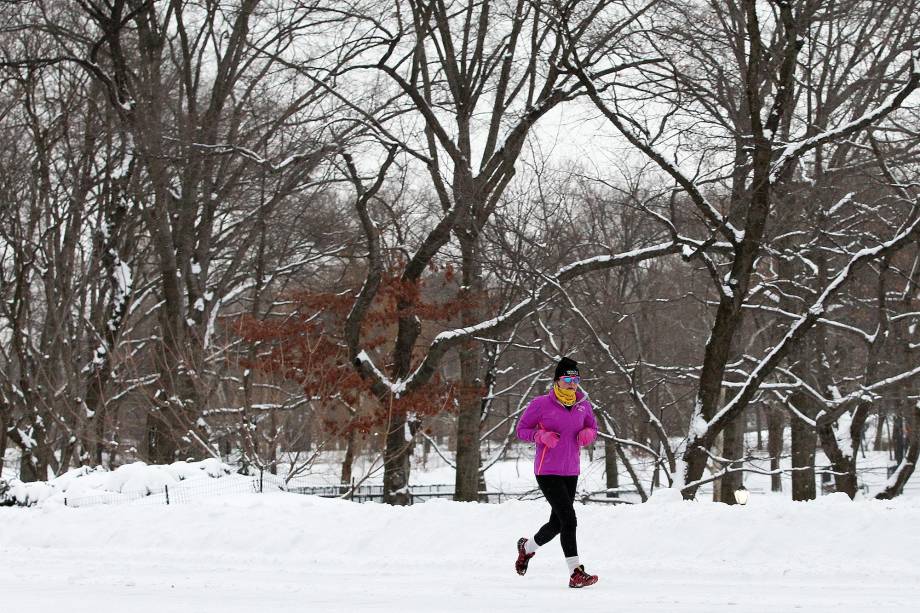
[[550, 439], [585, 437]]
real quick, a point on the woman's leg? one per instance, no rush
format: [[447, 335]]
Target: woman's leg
[[567, 520], [556, 493], [547, 531]]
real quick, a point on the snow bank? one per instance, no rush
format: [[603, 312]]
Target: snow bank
[[128, 482], [665, 495]]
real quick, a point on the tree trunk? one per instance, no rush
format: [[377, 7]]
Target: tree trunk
[[717, 483], [94, 438], [879, 443], [173, 416], [37, 453], [28, 471], [804, 442], [113, 249], [733, 448], [468, 458], [843, 457], [396, 461], [466, 487], [4, 424], [348, 462], [161, 445], [897, 435], [610, 467], [775, 447], [908, 462], [34, 463]]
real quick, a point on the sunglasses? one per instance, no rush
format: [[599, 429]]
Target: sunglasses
[[570, 379]]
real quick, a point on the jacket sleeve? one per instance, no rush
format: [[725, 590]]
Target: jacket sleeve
[[590, 421], [529, 425]]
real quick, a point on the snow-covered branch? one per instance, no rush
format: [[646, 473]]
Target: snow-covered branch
[[796, 149], [448, 339], [802, 325]]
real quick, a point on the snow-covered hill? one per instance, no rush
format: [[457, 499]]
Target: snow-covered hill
[[281, 552]]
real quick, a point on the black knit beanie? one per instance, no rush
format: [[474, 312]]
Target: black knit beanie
[[566, 367]]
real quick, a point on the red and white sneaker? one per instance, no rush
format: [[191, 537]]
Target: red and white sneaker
[[523, 558], [580, 578]]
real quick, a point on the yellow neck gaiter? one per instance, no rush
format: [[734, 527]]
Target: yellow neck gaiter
[[566, 397]]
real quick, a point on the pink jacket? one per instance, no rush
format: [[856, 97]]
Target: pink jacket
[[547, 413]]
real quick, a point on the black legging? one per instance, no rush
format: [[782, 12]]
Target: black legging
[[560, 494]]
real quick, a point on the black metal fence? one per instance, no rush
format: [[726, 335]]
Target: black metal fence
[[372, 492], [421, 493]]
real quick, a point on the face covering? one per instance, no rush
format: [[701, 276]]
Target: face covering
[[566, 397]]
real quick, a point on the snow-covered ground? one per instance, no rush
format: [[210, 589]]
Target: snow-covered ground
[[284, 552], [226, 551]]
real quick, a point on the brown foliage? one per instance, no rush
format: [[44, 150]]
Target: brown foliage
[[305, 346]]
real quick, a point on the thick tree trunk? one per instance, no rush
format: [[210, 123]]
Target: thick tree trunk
[[399, 443], [468, 458], [808, 359], [161, 444], [845, 477], [37, 453], [94, 437], [843, 456], [775, 447], [28, 469], [173, 414], [897, 435], [756, 205], [733, 448], [34, 463], [908, 462], [610, 467], [468, 453], [466, 487], [879, 443], [113, 250], [396, 460], [842, 463], [804, 442]]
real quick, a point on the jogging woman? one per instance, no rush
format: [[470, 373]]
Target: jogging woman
[[560, 423]]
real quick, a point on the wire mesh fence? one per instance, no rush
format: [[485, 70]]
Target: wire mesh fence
[[195, 489], [174, 493]]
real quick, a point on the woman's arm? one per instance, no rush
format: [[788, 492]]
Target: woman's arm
[[529, 425], [590, 421], [588, 433]]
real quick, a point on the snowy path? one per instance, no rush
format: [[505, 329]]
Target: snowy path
[[152, 585], [280, 553]]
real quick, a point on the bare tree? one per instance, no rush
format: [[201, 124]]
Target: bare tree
[[755, 104], [63, 229], [190, 101]]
